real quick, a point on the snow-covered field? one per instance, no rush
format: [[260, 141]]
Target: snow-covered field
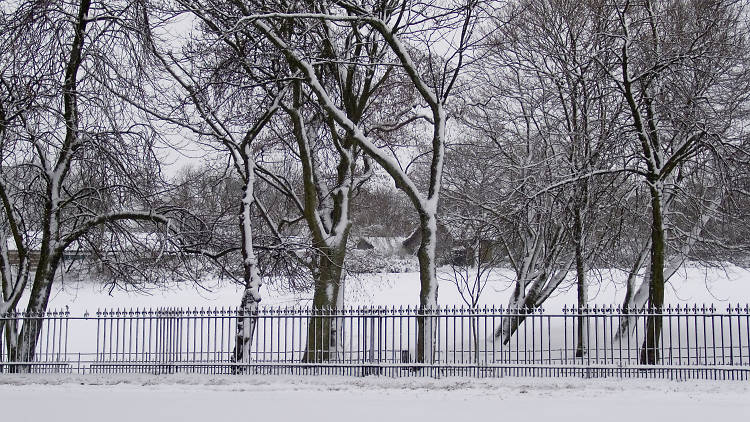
[[281, 398], [689, 286], [115, 398]]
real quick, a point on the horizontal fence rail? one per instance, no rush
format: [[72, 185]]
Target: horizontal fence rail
[[695, 341]]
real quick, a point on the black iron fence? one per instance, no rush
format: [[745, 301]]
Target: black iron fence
[[695, 342]]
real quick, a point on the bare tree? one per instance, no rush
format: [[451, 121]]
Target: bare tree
[[679, 67], [327, 158], [328, 210], [540, 169], [403, 29], [73, 158], [224, 91], [554, 45]]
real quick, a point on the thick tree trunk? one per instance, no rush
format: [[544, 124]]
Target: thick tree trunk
[[323, 333], [28, 337], [426, 324], [649, 351], [8, 321], [8, 340], [9, 331], [43, 279]]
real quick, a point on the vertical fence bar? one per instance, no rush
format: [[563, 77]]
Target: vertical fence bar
[[731, 335]]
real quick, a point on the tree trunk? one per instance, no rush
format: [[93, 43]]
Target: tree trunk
[[247, 320], [635, 298], [9, 331], [474, 331], [426, 324], [523, 303], [518, 307], [251, 298], [649, 352], [323, 335], [582, 286], [9, 339], [35, 310]]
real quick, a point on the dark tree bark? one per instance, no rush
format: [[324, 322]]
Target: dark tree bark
[[649, 351]]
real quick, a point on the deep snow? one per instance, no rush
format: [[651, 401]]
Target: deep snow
[[283, 398]]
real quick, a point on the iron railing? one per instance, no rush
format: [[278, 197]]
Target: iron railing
[[696, 342]]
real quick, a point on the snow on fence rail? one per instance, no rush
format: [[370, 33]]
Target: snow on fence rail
[[696, 342]]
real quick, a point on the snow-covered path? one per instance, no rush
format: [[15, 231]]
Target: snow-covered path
[[208, 398]]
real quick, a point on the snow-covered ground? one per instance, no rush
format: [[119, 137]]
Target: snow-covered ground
[[83, 335], [330, 399], [689, 286]]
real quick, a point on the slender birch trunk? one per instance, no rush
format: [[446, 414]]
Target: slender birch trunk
[[251, 298]]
